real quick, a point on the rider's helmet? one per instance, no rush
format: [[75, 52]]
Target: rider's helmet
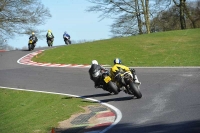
[[117, 61], [33, 33], [49, 30], [65, 32], [94, 62]]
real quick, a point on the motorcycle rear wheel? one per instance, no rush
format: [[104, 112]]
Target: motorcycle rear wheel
[[113, 87], [135, 90]]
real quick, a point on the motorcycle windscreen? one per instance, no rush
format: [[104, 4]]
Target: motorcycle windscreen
[[96, 73]]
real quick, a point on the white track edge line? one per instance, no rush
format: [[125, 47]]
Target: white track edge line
[[116, 110]]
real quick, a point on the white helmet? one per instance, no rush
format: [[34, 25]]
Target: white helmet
[[94, 62]]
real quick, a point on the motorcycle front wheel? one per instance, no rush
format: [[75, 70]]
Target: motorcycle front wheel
[[29, 47], [134, 88], [66, 42], [49, 43], [33, 46]]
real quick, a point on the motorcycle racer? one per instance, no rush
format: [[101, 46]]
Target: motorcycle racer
[[66, 36], [50, 36], [34, 38], [118, 69], [95, 66]]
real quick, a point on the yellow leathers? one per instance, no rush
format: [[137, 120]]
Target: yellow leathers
[[117, 68]]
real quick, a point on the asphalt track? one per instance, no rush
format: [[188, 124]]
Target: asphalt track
[[170, 102]]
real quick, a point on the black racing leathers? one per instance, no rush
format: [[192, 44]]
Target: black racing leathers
[[94, 68]]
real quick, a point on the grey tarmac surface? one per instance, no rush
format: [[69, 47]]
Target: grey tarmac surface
[[170, 102]]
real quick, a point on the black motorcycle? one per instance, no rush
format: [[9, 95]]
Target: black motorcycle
[[104, 81]]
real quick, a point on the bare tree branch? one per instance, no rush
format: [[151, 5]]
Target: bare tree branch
[[21, 17], [118, 9]]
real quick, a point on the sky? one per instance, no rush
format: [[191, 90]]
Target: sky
[[70, 16]]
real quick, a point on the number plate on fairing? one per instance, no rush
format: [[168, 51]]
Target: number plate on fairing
[[107, 79]]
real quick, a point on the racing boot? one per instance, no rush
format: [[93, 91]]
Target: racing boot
[[136, 79]]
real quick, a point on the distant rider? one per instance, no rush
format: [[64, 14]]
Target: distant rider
[[34, 38], [95, 66], [118, 69], [66, 36], [50, 36]]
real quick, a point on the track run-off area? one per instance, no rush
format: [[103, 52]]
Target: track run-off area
[[170, 102]]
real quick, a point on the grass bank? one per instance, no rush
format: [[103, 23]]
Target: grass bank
[[173, 48], [32, 112]]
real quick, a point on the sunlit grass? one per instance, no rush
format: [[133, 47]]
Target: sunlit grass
[[30, 112], [173, 48]]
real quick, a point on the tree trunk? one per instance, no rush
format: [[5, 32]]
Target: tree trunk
[[147, 15], [145, 7], [138, 15], [182, 18]]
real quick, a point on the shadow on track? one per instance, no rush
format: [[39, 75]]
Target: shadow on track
[[118, 99], [97, 95], [110, 99]]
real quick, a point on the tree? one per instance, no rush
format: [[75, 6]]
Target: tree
[[169, 19], [166, 20], [20, 17], [181, 6], [192, 11], [130, 15], [186, 11]]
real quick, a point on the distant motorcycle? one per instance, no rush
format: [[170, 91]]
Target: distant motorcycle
[[129, 84], [31, 44], [67, 40], [50, 42], [105, 81]]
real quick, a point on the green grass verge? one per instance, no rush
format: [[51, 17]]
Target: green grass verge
[[31, 112], [173, 48]]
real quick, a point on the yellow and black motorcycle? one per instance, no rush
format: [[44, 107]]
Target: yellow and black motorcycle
[[31, 44]]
